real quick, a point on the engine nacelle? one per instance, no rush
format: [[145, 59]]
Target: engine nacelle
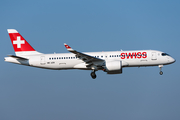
[[113, 67]]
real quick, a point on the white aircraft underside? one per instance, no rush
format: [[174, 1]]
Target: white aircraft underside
[[111, 62]]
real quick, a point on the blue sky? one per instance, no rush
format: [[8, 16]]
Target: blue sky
[[28, 93]]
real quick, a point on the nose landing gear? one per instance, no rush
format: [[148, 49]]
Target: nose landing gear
[[93, 74], [160, 66], [160, 72]]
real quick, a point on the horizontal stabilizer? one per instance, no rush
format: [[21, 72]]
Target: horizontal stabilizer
[[17, 57]]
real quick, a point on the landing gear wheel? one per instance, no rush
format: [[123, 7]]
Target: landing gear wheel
[[160, 72], [93, 75], [160, 66]]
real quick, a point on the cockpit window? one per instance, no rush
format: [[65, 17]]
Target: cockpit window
[[165, 54]]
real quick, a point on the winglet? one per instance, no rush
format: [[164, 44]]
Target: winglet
[[68, 47]]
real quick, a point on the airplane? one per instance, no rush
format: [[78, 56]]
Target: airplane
[[111, 62]]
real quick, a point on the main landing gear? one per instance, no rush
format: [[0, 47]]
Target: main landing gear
[[93, 74], [160, 66]]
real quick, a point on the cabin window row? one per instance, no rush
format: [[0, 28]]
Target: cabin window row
[[98, 56], [57, 58], [115, 56]]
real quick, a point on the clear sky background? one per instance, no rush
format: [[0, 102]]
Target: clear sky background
[[28, 93]]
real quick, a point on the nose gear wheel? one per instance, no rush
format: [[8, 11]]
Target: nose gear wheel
[[160, 66]]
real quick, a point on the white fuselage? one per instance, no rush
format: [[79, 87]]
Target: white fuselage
[[71, 61]]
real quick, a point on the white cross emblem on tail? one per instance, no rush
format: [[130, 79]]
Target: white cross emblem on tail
[[19, 42]]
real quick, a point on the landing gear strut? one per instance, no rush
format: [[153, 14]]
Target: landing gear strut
[[93, 74], [160, 66]]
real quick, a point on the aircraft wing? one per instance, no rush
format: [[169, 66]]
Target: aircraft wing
[[85, 57]]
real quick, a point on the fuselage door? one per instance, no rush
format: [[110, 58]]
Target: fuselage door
[[153, 56], [42, 61]]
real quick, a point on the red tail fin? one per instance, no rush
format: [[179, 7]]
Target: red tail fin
[[18, 42], [20, 45]]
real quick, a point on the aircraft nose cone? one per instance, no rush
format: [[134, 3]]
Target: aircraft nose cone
[[173, 60]]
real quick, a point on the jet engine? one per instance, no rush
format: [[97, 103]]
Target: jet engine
[[113, 67]]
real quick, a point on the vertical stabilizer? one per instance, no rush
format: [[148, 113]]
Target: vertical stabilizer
[[20, 45]]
